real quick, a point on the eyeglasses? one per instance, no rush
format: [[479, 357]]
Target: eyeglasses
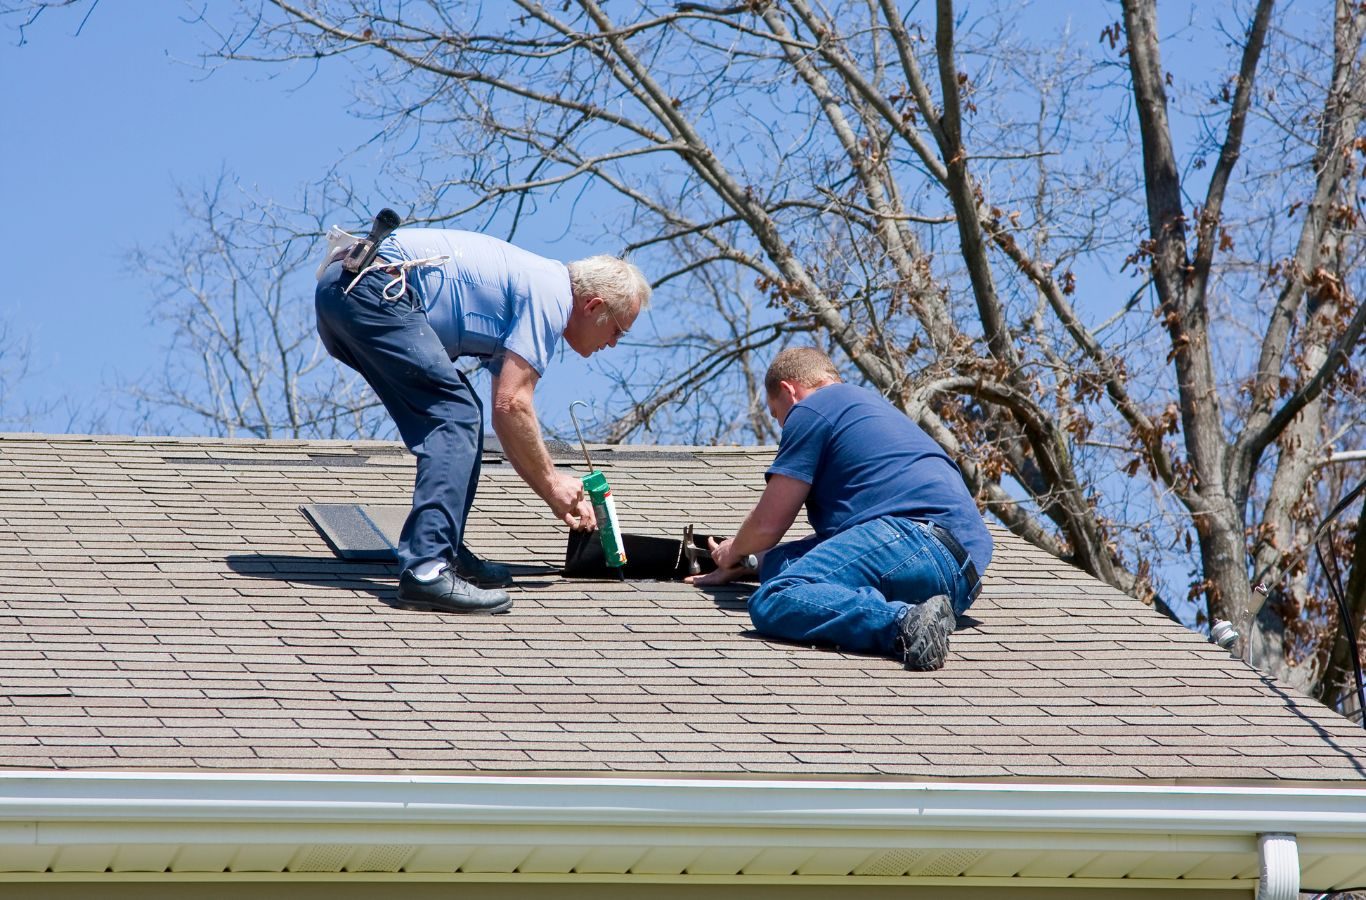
[[621, 332]]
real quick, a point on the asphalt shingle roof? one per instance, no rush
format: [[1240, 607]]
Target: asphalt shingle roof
[[165, 605]]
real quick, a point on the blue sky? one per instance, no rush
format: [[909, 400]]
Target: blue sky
[[104, 126], [108, 123]]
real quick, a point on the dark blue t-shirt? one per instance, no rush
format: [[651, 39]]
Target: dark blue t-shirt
[[865, 459]]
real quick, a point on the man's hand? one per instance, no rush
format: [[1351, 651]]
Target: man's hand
[[714, 579], [727, 569], [721, 553], [570, 504]]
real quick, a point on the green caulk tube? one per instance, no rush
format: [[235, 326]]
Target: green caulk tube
[[604, 507]]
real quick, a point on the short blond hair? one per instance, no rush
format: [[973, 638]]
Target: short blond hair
[[806, 366], [619, 283]]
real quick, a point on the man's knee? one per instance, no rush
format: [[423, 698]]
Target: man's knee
[[762, 606], [766, 604]]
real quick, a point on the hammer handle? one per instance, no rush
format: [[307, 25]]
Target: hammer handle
[[363, 253]]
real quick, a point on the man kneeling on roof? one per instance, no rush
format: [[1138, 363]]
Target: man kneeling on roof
[[899, 544], [435, 295]]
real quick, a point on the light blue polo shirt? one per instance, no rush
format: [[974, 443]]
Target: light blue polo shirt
[[489, 296]]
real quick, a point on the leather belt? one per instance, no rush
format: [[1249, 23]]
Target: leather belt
[[960, 555]]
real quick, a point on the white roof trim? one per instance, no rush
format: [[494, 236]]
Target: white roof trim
[[89, 824], [180, 796]]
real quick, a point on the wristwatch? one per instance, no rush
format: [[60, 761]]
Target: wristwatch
[[751, 561]]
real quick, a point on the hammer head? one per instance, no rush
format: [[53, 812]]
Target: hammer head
[[690, 553]]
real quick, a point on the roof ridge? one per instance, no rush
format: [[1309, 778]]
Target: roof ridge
[[34, 437]]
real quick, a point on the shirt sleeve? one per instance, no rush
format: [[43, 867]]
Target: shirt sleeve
[[805, 434], [537, 321]]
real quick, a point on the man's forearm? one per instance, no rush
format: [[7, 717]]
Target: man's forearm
[[754, 537], [757, 535], [520, 433], [766, 523]]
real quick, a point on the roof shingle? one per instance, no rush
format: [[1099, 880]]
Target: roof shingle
[[167, 606]]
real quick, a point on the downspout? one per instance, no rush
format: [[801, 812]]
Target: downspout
[[1280, 860]]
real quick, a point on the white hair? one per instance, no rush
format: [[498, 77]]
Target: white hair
[[619, 283]]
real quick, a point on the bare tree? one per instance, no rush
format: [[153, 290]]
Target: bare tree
[[1285, 388], [23, 14], [245, 358], [15, 360], [684, 377]]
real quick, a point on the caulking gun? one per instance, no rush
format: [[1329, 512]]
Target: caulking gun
[[604, 507]]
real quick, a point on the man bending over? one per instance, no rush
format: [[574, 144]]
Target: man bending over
[[436, 295]]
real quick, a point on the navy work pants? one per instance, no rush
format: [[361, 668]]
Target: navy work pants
[[436, 410]]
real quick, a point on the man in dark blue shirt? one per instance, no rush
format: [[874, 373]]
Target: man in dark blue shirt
[[899, 546]]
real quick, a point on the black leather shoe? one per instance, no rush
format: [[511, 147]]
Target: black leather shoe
[[925, 630], [447, 593], [480, 571]]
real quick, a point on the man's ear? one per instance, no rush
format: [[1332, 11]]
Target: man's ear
[[789, 390], [593, 304]]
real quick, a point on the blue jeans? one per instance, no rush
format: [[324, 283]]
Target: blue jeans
[[852, 589], [431, 401]]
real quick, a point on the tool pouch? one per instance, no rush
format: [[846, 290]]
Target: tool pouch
[[339, 243]]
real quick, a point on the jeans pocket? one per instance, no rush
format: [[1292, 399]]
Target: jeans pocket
[[920, 573]]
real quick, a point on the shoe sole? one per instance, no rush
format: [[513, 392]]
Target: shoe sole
[[423, 606], [929, 649], [502, 583]]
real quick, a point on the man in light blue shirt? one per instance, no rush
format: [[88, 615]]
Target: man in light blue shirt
[[433, 296]]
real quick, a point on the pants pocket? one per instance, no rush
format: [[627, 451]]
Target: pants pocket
[[917, 577]]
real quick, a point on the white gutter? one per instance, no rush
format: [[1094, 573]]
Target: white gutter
[[197, 826], [160, 797]]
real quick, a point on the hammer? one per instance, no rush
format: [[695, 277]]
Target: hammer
[[361, 254]]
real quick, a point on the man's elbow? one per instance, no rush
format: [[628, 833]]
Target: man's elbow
[[510, 408], [769, 531]]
